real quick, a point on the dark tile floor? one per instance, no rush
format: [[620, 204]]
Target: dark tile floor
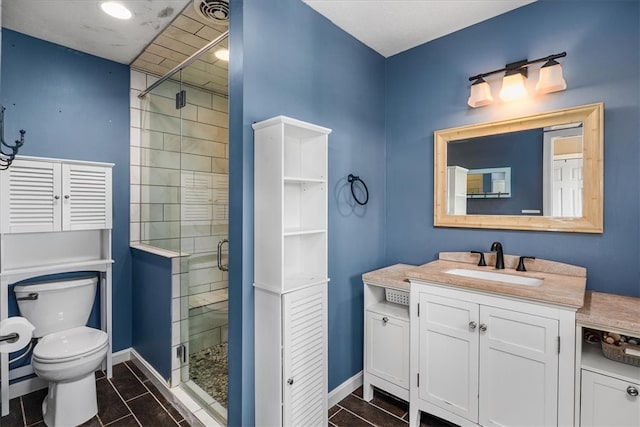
[[127, 399], [383, 410], [130, 399]]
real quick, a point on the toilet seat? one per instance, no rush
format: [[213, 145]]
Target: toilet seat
[[71, 344]]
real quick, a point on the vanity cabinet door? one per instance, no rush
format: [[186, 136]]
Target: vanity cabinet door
[[608, 401], [448, 354], [387, 349], [518, 368]]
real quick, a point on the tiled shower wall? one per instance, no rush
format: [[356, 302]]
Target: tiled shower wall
[[179, 196]]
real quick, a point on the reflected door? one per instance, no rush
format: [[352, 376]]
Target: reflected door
[[567, 188]]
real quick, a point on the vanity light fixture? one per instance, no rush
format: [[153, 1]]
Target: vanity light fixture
[[515, 73]]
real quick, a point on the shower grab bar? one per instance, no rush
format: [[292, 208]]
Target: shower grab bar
[[220, 266]]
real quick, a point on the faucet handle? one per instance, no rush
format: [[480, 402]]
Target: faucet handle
[[482, 262], [521, 263]]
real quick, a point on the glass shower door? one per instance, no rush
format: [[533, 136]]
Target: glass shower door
[[204, 218]]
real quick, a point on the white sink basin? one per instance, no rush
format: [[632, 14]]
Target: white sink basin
[[496, 277]]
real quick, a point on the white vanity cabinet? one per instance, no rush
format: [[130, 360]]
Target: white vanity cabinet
[[387, 332], [387, 349], [46, 195], [291, 275], [482, 359], [609, 401], [609, 391]]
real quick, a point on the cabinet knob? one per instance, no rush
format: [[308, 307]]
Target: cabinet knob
[[483, 327], [56, 197], [385, 319], [632, 391], [66, 196], [290, 381], [473, 325]]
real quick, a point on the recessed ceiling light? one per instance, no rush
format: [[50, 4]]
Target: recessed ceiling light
[[115, 9], [222, 54]]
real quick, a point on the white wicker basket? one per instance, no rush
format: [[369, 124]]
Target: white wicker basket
[[395, 296]]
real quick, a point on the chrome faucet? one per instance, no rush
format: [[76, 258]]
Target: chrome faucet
[[497, 246]]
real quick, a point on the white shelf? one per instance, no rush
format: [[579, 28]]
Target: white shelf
[[288, 232], [297, 180], [593, 360]]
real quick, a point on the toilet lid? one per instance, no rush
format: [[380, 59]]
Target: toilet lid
[[70, 343]]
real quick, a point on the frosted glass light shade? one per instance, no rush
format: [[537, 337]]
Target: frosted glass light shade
[[551, 79], [480, 94], [513, 87]]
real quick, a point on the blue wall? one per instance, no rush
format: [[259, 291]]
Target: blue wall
[[151, 298], [294, 62], [75, 106], [427, 90]]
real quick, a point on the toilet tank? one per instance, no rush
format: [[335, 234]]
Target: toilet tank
[[56, 305]]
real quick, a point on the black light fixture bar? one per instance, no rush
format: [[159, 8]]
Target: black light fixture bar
[[518, 66]]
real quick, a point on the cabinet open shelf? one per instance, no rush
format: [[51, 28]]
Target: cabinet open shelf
[[593, 360], [288, 232]]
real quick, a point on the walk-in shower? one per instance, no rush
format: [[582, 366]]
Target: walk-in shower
[[183, 209]]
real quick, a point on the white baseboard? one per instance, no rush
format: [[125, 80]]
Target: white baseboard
[[121, 356], [344, 389]]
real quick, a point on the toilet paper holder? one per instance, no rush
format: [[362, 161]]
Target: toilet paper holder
[[12, 337]]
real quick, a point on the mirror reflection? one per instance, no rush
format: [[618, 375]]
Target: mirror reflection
[[530, 172]]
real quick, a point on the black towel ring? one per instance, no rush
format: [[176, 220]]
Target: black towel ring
[[352, 179]]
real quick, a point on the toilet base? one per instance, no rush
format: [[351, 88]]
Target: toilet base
[[70, 403]]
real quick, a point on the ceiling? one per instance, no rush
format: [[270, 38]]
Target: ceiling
[[81, 24], [162, 33], [393, 26]]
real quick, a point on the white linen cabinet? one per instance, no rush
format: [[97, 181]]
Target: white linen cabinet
[[290, 268], [47, 195]]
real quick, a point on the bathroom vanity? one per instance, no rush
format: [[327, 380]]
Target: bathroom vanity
[[481, 352]]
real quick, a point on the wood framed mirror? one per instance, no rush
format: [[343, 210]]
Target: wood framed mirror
[[555, 161]]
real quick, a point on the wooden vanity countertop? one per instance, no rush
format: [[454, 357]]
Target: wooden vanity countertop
[[610, 312], [390, 277], [557, 289]]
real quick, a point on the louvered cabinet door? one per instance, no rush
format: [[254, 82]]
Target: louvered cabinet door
[[305, 357], [86, 200], [31, 197]]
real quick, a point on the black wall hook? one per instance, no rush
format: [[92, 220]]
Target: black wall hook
[[352, 179]]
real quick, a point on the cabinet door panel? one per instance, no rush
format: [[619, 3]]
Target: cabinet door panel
[[518, 369], [304, 357], [31, 197], [86, 197], [448, 356], [388, 348], [605, 402]]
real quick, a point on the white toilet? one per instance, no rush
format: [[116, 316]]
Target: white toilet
[[68, 352]]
